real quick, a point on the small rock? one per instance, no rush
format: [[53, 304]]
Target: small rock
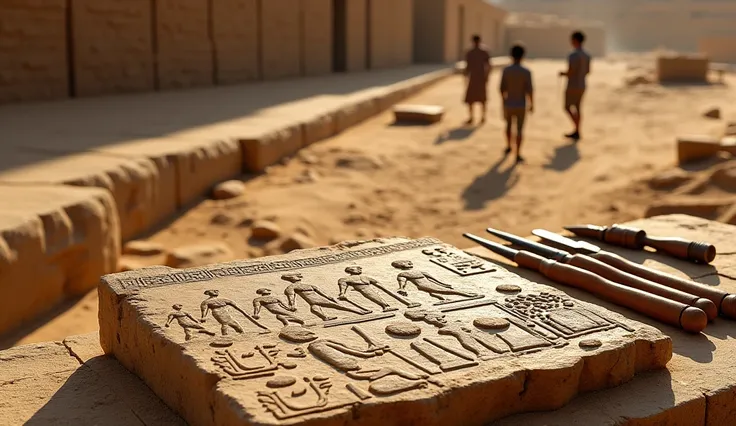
[[670, 179], [508, 288], [221, 219], [358, 162], [713, 113], [639, 80], [308, 176], [228, 189], [308, 159], [142, 248], [198, 255], [265, 230], [246, 223], [297, 242]]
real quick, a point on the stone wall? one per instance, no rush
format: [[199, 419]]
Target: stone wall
[[280, 37], [356, 34], [183, 47], [553, 41], [235, 38], [316, 37], [112, 44], [391, 33], [718, 49], [33, 50]]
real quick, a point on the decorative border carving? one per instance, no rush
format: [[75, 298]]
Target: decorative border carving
[[261, 267]]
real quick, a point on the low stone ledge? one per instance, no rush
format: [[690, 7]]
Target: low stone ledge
[[55, 241], [269, 147], [135, 184]]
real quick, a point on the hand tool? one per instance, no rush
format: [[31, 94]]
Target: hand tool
[[609, 272], [725, 302], [633, 238], [665, 310]]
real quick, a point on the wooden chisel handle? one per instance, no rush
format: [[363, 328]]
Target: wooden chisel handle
[[692, 251], [665, 310], [618, 276], [725, 302]]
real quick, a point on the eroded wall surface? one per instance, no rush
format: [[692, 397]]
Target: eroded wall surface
[[235, 38]]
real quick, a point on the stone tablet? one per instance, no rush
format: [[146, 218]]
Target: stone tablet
[[377, 332], [418, 113]]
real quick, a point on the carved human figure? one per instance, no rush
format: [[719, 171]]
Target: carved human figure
[[187, 322], [424, 281], [220, 312], [315, 297], [275, 306], [364, 285]]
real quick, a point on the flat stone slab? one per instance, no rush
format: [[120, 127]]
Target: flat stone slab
[[382, 331], [418, 113]]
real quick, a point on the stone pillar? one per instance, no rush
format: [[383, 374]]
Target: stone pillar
[[183, 44], [33, 50], [235, 37], [356, 18], [280, 44], [113, 46], [317, 16]]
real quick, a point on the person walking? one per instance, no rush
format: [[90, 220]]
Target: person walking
[[477, 70], [516, 86], [578, 69]]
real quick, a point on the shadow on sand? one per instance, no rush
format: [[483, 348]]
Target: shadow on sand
[[456, 134], [565, 157], [491, 185]]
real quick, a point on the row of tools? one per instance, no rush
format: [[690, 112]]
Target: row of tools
[[664, 297]]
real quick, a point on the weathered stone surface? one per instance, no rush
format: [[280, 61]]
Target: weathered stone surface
[[135, 184], [198, 255], [228, 189], [142, 248], [418, 113], [235, 37], [271, 146], [482, 375], [55, 241]]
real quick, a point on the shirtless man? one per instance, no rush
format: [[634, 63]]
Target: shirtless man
[[363, 285], [424, 281], [187, 322], [275, 306], [314, 297], [220, 311], [577, 70]]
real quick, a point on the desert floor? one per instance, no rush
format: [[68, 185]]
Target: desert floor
[[383, 179]]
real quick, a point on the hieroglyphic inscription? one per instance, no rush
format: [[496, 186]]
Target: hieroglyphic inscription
[[229, 362], [206, 274], [300, 402], [461, 264]]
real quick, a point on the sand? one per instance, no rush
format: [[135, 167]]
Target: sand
[[382, 179]]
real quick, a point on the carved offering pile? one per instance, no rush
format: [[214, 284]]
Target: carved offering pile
[[390, 332]]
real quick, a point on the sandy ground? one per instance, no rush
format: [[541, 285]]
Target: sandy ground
[[382, 179]]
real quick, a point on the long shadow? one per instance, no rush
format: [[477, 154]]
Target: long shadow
[[565, 157], [456, 134], [36, 132], [490, 186]]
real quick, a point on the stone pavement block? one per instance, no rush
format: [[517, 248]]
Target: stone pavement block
[[184, 56], [360, 335], [189, 163], [280, 39], [355, 111], [135, 184], [33, 51], [318, 128], [682, 68], [55, 241], [113, 46], [270, 146], [419, 113], [235, 35]]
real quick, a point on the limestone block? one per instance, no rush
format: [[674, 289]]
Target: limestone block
[[270, 146], [113, 46], [317, 36], [136, 185], [280, 39], [268, 349], [318, 128], [184, 56], [356, 38], [235, 33], [33, 50], [55, 241], [691, 69], [188, 163], [354, 112], [418, 113]]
